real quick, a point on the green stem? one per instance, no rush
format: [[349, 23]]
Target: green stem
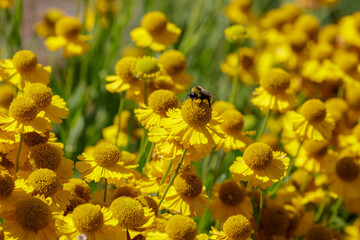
[[340, 92], [258, 216], [150, 153], [173, 177], [105, 189], [121, 107], [70, 78], [165, 175], [321, 209], [304, 183], [206, 164], [18, 152], [218, 171], [335, 211], [236, 79], [263, 126]]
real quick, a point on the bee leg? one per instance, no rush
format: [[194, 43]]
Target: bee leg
[[209, 102]]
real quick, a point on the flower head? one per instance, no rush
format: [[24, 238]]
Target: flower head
[[181, 228], [237, 34]]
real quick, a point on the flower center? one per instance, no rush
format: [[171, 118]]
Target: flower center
[[25, 61], [173, 61], [313, 110], [45, 156], [33, 214], [237, 33], [275, 220], [23, 109], [298, 40], [188, 185], [6, 163], [316, 148], [149, 203], [123, 69], [79, 188], [107, 155], [233, 121], [68, 27], [32, 138], [309, 24], [237, 227], [181, 228], [52, 16], [146, 67], [154, 22], [126, 191], [44, 181], [7, 184], [196, 114], [318, 232], [231, 193], [128, 211], [247, 57], [258, 156], [7, 94], [88, 217], [74, 202], [275, 81], [161, 100], [347, 169], [40, 93]]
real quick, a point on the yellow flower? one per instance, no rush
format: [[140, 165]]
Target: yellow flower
[[313, 121], [274, 220], [87, 219], [106, 161], [23, 116], [236, 227], [46, 27], [53, 105], [230, 198], [237, 11], [274, 92], [23, 69], [237, 34], [6, 4], [352, 231], [79, 193], [260, 166], [232, 128], [109, 133], [155, 32], [221, 106], [187, 196], [308, 24], [318, 231], [7, 94], [33, 218], [68, 37], [146, 68], [270, 139], [349, 29]]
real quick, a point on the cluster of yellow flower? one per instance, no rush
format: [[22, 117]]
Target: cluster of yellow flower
[[295, 177]]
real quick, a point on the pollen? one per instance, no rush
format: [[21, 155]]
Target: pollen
[[275, 220], [347, 169], [68, 27], [45, 156], [88, 217], [149, 203], [146, 67], [162, 100], [40, 94], [33, 214], [44, 181], [231, 193], [7, 94], [32, 138], [173, 62], [275, 81], [78, 188], [233, 121], [318, 232], [237, 227], [313, 110], [23, 109], [7, 184], [126, 191], [258, 156], [316, 148], [123, 69], [107, 154], [128, 211], [196, 114], [188, 185], [181, 228], [154, 22], [25, 61]]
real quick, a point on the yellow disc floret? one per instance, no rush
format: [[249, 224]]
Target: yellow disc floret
[[88, 217], [231, 193], [196, 114], [40, 94], [237, 227], [78, 188], [146, 67], [173, 62], [154, 22], [107, 154], [33, 214], [32, 138], [123, 69], [258, 156], [181, 228], [25, 61], [318, 232], [149, 203], [126, 191], [313, 110], [7, 184], [275, 81], [233, 121], [161, 100], [44, 181], [128, 211], [45, 156], [23, 109], [347, 169], [188, 185], [68, 27]]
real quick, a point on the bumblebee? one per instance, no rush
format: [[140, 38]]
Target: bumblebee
[[199, 93]]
